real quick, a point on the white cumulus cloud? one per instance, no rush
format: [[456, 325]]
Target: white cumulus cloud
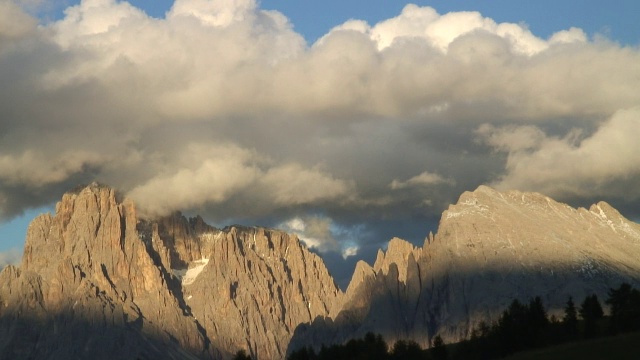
[[423, 179], [221, 107], [315, 231], [604, 162]]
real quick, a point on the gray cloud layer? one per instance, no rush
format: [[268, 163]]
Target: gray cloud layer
[[223, 109]]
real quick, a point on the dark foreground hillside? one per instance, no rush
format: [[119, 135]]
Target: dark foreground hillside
[[619, 347]]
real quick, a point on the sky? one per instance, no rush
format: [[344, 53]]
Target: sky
[[345, 122]]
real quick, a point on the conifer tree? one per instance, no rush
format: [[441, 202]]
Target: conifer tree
[[537, 323], [570, 320], [591, 312], [625, 308], [439, 349]]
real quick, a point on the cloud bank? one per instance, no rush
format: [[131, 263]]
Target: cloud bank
[[222, 108]]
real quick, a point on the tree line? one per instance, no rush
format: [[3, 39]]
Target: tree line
[[373, 347], [522, 326], [527, 326]]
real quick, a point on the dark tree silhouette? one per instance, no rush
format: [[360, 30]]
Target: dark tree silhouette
[[625, 309], [570, 320], [538, 323], [484, 342], [375, 346], [591, 312], [439, 350], [241, 355], [513, 328], [406, 350]]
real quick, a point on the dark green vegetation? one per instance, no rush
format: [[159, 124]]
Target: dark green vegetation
[[523, 331]]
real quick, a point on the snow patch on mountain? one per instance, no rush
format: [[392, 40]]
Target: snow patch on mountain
[[189, 275]]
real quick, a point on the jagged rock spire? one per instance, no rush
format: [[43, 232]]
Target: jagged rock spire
[[95, 275]]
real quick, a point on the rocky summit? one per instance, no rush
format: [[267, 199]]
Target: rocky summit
[[98, 281]]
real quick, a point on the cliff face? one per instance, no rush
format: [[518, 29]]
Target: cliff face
[[96, 281], [87, 279], [491, 247], [249, 287]]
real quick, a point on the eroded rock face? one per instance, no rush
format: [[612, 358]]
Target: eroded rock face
[[96, 281], [93, 287], [491, 247], [257, 287]]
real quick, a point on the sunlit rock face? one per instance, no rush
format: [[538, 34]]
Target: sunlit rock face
[[249, 287], [97, 281], [491, 247]]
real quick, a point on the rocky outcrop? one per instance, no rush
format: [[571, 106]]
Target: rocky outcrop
[[257, 287], [88, 280], [491, 247], [97, 281]]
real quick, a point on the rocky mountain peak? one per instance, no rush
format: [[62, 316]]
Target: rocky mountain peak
[[361, 272], [86, 222], [398, 252], [606, 212], [164, 288], [485, 200]]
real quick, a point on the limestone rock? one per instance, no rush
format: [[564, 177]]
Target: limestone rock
[[98, 282], [88, 280], [253, 286]]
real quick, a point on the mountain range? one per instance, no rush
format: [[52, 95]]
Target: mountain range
[[97, 280]]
